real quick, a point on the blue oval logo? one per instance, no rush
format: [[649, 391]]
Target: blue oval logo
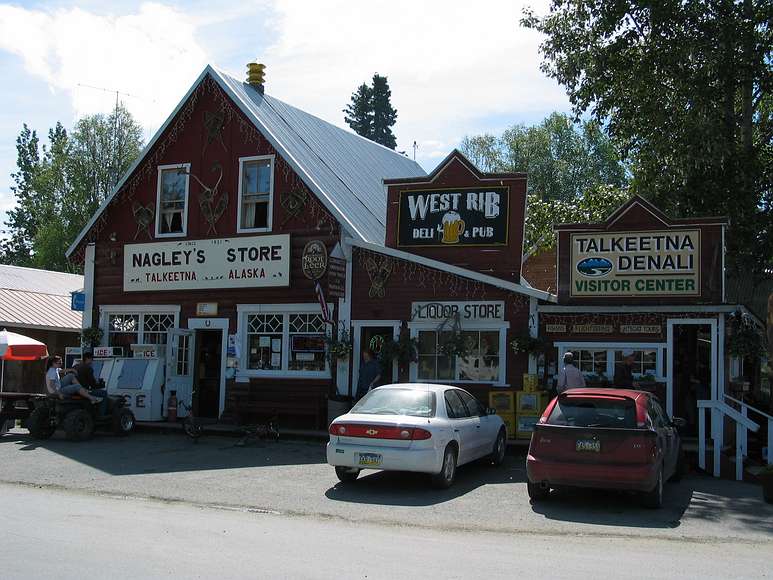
[[594, 267]]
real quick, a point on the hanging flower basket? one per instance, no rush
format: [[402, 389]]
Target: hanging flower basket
[[91, 337], [744, 338], [456, 345], [405, 350], [339, 347], [529, 345]]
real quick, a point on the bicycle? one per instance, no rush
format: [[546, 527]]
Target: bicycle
[[191, 426]]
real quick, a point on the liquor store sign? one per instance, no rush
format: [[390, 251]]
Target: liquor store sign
[[453, 217], [251, 262], [652, 263]]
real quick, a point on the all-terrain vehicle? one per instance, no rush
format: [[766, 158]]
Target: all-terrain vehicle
[[79, 417]]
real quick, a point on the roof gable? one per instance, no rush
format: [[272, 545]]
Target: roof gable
[[345, 171]]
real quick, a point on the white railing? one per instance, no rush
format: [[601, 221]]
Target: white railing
[[745, 410], [720, 410]]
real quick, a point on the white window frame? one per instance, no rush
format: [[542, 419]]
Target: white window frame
[[140, 310], [611, 347], [269, 221], [244, 310], [161, 169], [501, 327]]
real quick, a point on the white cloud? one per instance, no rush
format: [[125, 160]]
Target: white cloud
[[450, 63], [152, 54]]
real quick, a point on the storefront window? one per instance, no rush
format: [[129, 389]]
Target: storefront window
[[644, 361], [125, 329], [264, 341], [291, 342], [592, 361], [481, 363], [307, 342]]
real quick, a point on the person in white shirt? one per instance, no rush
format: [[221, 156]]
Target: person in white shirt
[[67, 387], [570, 376]]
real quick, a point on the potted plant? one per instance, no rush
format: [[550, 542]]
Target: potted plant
[[766, 479], [404, 350], [529, 345], [91, 337], [339, 345], [456, 345]]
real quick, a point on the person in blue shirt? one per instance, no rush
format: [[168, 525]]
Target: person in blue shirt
[[370, 374]]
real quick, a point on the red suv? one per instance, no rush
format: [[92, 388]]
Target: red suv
[[605, 438]]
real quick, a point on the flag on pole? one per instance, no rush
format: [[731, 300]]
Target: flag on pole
[[322, 303]]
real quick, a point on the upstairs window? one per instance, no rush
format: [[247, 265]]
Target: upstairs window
[[172, 202], [256, 188]]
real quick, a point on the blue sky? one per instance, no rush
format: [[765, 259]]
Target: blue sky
[[455, 68]]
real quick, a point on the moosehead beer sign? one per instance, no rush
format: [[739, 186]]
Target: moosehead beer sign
[[653, 263], [254, 262], [453, 217]]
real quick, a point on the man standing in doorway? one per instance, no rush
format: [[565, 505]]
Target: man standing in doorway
[[370, 374], [570, 376]]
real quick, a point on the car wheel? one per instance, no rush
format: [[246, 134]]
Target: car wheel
[[123, 421], [681, 466], [536, 491], [39, 423], [79, 425], [445, 478], [347, 474], [500, 447], [654, 499]]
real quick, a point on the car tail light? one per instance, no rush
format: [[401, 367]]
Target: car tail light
[[379, 432]]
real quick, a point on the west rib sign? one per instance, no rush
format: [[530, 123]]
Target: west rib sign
[[647, 263], [453, 217]]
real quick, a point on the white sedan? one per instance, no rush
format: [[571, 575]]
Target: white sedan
[[415, 427]]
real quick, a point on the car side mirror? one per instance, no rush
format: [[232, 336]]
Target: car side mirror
[[679, 422], [491, 411]]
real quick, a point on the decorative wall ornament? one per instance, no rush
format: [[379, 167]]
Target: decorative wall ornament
[[293, 202], [212, 205], [144, 216], [214, 123], [379, 270]]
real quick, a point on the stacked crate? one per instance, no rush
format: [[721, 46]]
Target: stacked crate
[[503, 402], [528, 409]]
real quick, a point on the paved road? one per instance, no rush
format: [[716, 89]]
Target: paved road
[[69, 535], [291, 478]]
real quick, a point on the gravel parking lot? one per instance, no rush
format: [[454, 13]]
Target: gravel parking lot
[[292, 478]]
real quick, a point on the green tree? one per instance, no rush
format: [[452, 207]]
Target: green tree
[[359, 114], [58, 191], [574, 171], [370, 112], [21, 222], [684, 89], [384, 114]]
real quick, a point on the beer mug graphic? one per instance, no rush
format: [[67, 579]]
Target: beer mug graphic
[[453, 227]]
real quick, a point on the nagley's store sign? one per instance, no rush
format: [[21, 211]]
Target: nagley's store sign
[[652, 263], [453, 217], [254, 262]]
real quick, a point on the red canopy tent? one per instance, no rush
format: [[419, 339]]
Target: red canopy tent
[[18, 347]]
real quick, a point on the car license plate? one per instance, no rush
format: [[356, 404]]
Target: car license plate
[[370, 459], [593, 445]]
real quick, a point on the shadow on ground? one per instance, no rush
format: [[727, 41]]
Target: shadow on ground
[[394, 488], [697, 497], [169, 452]]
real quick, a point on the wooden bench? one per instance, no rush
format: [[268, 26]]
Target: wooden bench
[[255, 403]]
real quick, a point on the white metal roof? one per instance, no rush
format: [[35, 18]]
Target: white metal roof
[[344, 170], [31, 298]]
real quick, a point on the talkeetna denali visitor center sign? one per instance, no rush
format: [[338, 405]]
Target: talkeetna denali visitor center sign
[[660, 262], [453, 217], [249, 262]]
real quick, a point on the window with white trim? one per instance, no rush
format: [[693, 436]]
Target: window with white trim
[[483, 363], [284, 340], [172, 200], [591, 361], [256, 187], [601, 359], [645, 361], [126, 328]]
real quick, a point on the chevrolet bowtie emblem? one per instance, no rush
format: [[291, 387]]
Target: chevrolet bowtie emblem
[[371, 432]]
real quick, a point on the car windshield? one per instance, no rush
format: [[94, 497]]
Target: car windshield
[[411, 402], [586, 412]]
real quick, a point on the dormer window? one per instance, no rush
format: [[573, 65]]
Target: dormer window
[[256, 191], [172, 200]]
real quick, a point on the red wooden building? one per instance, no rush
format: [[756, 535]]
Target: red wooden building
[[242, 211]]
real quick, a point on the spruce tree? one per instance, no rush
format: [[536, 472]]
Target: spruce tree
[[359, 113], [384, 114]]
